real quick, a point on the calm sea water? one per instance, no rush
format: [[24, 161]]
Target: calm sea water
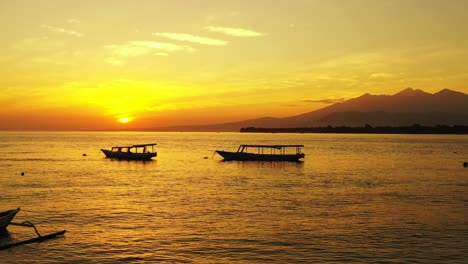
[[355, 198]]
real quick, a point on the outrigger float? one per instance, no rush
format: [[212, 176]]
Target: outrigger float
[[263, 153], [5, 220]]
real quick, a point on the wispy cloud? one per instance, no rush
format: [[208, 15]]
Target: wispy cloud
[[192, 38], [63, 30], [170, 47], [290, 105], [142, 48], [381, 75], [324, 101], [236, 32]]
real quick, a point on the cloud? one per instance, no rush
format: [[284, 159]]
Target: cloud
[[63, 30], [236, 32], [192, 38], [142, 48], [170, 47], [381, 75], [325, 101]]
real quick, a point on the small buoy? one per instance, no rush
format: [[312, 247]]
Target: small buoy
[[84, 154], [465, 164], [22, 174]]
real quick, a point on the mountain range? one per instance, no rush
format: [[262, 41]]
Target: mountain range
[[408, 107]]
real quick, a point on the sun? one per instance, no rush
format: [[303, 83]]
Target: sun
[[124, 120]]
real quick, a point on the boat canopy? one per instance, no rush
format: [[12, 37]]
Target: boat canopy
[[137, 146], [273, 146]]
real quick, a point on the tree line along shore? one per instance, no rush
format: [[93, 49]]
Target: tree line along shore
[[367, 129]]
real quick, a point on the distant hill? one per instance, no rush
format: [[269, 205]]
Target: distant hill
[[407, 107]]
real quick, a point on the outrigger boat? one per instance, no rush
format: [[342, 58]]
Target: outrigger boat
[[134, 152], [264, 153], [6, 218]]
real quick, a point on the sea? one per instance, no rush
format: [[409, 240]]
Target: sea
[[355, 198]]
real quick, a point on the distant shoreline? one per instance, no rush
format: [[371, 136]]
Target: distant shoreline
[[414, 129]]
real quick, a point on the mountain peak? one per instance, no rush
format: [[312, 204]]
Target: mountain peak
[[365, 95], [411, 92], [447, 92]]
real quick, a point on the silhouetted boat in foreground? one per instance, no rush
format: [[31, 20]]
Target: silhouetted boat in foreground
[[6, 217], [134, 152], [264, 153]]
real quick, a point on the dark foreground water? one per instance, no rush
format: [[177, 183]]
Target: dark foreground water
[[355, 198]]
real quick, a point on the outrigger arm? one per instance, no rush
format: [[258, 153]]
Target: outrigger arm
[[39, 237]]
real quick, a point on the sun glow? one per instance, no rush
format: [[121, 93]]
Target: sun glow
[[70, 69], [124, 120]]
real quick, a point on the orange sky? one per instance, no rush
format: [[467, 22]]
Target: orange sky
[[85, 65]]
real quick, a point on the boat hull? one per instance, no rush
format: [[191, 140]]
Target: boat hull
[[128, 156], [243, 156], [6, 218]]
